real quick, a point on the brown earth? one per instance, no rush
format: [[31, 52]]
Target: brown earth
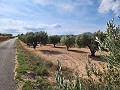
[[75, 58]]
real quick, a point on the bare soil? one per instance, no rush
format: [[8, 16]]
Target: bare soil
[[75, 58]]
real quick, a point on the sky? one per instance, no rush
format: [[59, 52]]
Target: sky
[[59, 17]]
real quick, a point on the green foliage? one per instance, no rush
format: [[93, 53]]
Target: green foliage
[[39, 84], [112, 44], [9, 35], [29, 38], [54, 39], [63, 84], [28, 85], [41, 70], [42, 84], [88, 40], [42, 37], [83, 40], [32, 39], [108, 79], [68, 40]]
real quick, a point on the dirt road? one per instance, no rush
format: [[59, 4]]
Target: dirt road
[[7, 63]]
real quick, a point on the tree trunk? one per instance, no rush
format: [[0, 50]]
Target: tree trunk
[[34, 45], [67, 48], [92, 50], [54, 45]]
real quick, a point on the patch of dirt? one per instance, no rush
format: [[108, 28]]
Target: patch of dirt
[[75, 58]]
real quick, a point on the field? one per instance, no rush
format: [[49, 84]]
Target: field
[[74, 59], [79, 65], [29, 73], [3, 38], [34, 72]]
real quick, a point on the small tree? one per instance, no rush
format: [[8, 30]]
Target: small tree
[[22, 37], [29, 38], [86, 39], [54, 39], [42, 37], [68, 40], [35, 40]]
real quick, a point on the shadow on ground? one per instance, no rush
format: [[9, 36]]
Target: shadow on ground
[[60, 47], [97, 58], [50, 52], [77, 51]]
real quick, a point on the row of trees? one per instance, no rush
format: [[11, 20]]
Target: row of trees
[[32, 39], [4, 37], [10, 35], [82, 40]]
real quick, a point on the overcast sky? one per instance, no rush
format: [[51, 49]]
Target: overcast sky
[[56, 16]]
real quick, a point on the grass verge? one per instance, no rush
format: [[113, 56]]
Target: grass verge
[[33, 71]]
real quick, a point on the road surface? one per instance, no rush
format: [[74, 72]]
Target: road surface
[[7, 64]]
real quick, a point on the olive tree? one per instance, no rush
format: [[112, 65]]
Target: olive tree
[[32, 39], [112, 43], [29, 38], [22, 37], [86, 39], [68, 40], [42, 37], [54, 39]]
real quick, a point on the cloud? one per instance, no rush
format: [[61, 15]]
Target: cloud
[[42, 27], [56, 26], [19, 26], [34, 28], [12, 22], [109, 5], [12, 29], [64, 5]]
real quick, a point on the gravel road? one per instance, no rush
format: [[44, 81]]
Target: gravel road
[[7, 63]]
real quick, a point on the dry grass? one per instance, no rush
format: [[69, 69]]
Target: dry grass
[[75, 58]]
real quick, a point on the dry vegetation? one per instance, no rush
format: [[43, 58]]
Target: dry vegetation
[[75, 58], [34, 72], [3, 38]]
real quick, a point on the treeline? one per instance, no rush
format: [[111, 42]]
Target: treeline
[[10, 35], [4, 37], [81, 40]]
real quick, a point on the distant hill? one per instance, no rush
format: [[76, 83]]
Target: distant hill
[[89, 33], [76, 35]]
